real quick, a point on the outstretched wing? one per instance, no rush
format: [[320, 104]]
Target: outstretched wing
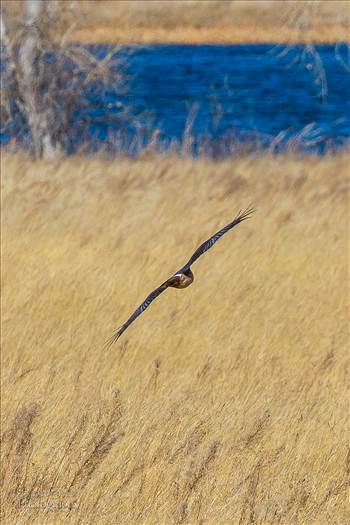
[[138, 312], [241, 216]]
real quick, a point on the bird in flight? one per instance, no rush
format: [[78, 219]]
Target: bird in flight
[[183, 277]]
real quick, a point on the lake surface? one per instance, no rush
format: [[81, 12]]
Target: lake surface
[[216, 98]]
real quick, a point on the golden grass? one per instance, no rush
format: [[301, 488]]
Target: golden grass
[[220, 22], [224, 403], [201, 21]]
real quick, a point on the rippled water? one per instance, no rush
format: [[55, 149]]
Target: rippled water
[[217, 97]]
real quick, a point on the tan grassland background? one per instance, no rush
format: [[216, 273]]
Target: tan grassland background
[[225, 403], [203, 21]]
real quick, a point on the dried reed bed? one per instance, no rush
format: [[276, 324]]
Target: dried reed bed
[[224, 403], [220, 21], [201, 21]]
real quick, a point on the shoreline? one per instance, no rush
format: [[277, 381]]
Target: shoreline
[[205, 36], [145, 22], [213, 22]]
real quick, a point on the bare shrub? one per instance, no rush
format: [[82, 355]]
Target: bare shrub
[[45, 77], [301, 20]]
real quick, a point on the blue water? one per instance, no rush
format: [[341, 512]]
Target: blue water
[[217, 98]]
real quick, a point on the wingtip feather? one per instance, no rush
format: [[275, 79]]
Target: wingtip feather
[[113, 339], [246, 214]]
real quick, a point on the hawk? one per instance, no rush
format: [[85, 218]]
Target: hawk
[[183, 277]]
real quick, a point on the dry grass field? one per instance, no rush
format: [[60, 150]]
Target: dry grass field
[[202, 21], [224, 403], [214, 21]]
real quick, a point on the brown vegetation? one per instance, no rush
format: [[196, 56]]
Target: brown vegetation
[[225, 402], [205, 21]]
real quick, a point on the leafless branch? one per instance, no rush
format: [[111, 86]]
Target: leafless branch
[[301, 19], [45, 76]]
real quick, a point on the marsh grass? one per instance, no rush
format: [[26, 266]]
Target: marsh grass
[[225, 402], [218, 21], [202, 21]]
